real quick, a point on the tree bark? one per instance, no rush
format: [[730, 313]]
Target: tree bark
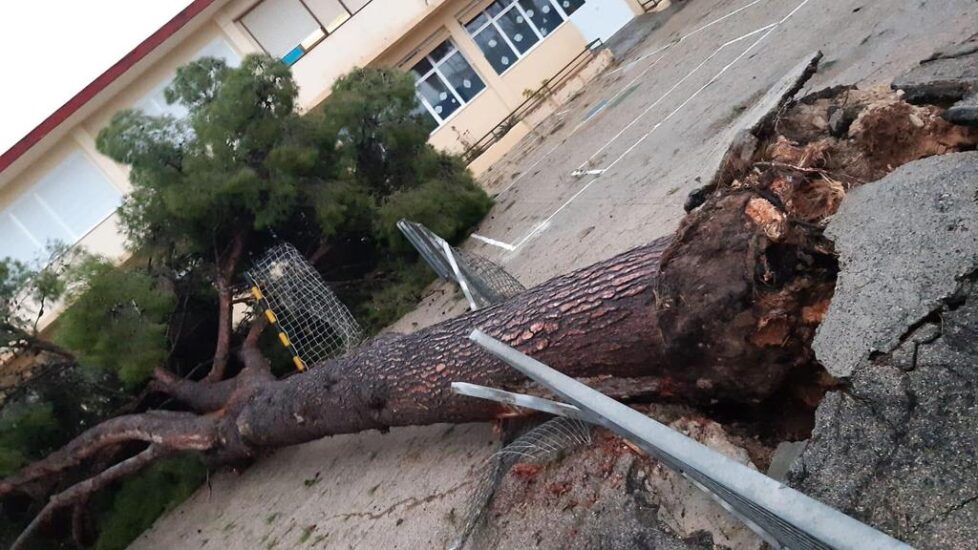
[[722, 311], [597, 320], [225, 274]]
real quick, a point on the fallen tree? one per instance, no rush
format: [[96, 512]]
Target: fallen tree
[[715, 312], [723, 311]]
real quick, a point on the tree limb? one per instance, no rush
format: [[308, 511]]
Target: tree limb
[[202, 397], [225, 275], [89, 486], [173, 430]]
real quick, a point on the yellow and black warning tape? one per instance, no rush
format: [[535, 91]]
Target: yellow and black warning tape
[[283, 336]]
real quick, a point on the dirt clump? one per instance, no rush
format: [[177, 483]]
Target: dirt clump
[[820, 147], [609, 495]]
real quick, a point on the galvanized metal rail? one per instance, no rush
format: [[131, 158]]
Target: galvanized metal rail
[[483, 282], [782, 516], [519, 400], [533, 101]]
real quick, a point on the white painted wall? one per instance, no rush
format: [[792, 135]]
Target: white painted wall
[[602, 18]]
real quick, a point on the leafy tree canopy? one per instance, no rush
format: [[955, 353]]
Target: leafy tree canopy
[[118, 321], [245, 167], [242, 171]]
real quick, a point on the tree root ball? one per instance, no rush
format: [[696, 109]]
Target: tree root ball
[[739, 294]]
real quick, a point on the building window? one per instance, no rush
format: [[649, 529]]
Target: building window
[[287, 29], [445, 82], [154, 103], [507, 29], [62, 207]]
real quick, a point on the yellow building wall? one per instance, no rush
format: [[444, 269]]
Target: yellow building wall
[[503, 93], [162, 70], [354, 44], [545, 59], [383, 33]]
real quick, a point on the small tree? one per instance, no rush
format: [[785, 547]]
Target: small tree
[[244, 167]]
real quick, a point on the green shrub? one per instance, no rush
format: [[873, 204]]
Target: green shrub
[[26, 432], [396, 295]]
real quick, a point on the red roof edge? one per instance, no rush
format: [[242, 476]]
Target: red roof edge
[[103, 81]]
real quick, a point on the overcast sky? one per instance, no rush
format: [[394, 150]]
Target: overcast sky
[[54, 48]]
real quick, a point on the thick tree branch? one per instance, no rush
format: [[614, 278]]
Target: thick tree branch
[[206, 397], [89, 486], [202, 397], [225, 276], [173, 430]]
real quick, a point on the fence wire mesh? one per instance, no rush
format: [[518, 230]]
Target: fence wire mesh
[[317, 324], [541, 445], [487, 282]]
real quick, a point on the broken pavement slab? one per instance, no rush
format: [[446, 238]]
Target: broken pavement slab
[[903, 243], [949, 76], [609, 496], [964, 112], [896, 446], [944, 77]]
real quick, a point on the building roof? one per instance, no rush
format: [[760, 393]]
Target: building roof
[[110, 75]]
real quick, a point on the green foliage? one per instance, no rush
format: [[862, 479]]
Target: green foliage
[[396, 295], [343, 208], [118, 321], [13, 276], [381, 141], [237, 163], [447, 207], [245, 161], [26, 431], [25, 291], [143, 498]]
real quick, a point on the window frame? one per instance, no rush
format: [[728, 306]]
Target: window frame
[[300, 48], [493, 20], [440, 120]]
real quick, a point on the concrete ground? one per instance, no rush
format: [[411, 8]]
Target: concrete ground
[[656, 123]]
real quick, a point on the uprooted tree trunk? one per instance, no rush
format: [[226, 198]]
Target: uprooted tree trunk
[[725, 310]]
